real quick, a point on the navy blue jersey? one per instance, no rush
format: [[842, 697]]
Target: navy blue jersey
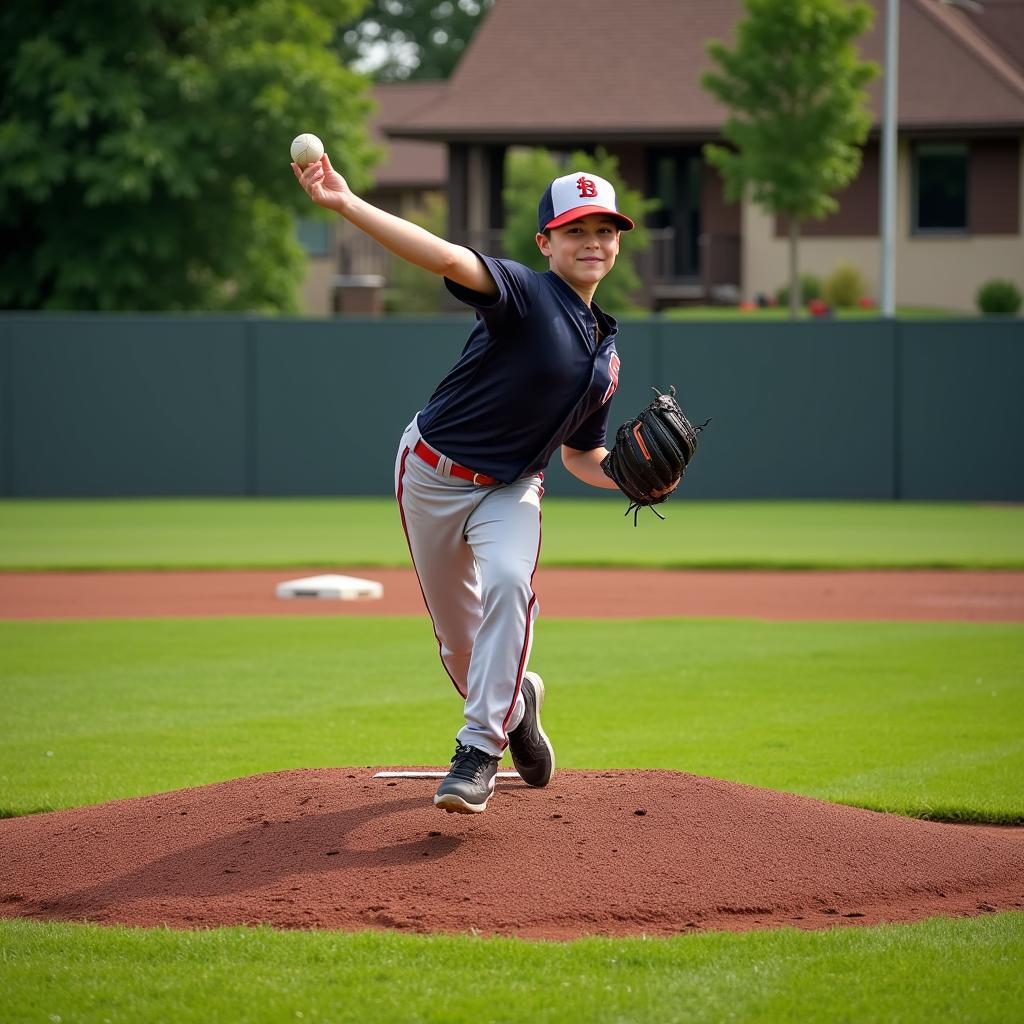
[[537, 372]]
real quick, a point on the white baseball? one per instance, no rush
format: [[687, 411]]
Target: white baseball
[[306, 148]]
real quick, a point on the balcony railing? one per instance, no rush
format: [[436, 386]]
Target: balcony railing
[[718, 278]]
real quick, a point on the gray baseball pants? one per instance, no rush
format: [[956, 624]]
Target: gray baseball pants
[[475, 550]]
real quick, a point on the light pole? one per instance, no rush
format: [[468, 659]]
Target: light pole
[[892, 58]]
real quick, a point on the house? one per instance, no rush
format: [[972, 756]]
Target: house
[[346, 271], [567, 74]]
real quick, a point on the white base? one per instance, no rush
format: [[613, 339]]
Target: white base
[[338, 588]]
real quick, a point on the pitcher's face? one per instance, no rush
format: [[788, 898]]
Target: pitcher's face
[[582, 251]]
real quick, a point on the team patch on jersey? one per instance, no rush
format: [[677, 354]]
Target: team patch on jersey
[[613, 372]]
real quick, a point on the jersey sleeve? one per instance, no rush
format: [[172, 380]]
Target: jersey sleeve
[[592, 432], [516, 288]]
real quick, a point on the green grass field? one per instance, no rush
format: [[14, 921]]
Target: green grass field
[[923, 719], [941, 970], [282, 532]]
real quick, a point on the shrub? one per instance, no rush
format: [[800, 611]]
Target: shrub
[[844, 287], [810, 288], [998, 297]]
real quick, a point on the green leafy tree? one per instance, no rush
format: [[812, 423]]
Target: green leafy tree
[[528, 173], [415, 39], [144, 149], [794, 86]]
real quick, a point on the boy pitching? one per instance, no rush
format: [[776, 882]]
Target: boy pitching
[[536, 375]]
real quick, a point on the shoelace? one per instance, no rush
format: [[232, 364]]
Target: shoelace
[[635, 507], [467, 761]]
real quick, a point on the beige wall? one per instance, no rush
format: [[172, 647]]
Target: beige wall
[[766, 257], [940, 271], [315, 296]]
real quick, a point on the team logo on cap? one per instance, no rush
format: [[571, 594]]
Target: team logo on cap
[[576, 195]]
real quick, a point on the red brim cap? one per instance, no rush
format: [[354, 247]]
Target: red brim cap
[[624, 223]]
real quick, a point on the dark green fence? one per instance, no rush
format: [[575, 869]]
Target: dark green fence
[[177, 405]]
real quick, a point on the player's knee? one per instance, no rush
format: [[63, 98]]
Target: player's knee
[[507, 578]]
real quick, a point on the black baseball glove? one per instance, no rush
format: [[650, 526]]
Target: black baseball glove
[[652, 452]]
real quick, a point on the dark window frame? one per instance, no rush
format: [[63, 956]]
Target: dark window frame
[[687, 164], [959, 147]]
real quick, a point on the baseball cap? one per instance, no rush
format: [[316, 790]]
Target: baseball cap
[[576, 195]]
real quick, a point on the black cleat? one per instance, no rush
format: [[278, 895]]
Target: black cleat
[[469, 783], [531, 750]]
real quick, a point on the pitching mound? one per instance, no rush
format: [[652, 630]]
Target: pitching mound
[[606, 853]]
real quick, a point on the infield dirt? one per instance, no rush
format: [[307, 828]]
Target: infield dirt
[[591, 593]]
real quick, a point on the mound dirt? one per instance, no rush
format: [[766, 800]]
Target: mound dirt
[[595, 853]]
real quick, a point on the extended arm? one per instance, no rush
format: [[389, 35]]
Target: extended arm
[[327, 188]]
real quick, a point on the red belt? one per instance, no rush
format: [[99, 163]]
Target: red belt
[[429, 456]]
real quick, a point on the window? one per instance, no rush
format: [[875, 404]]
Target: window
[[674, 179], [314, 236], [940, 187]]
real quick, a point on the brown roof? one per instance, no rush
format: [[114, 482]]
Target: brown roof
[[562, 68], [565, 70], [407, 163], [951, 74], [1001, 21]]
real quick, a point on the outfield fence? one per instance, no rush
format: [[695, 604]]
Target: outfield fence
[[123, 405]]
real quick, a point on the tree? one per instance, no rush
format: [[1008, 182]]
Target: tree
[[528, 173], [417, 39], [794, 85], [144, 149]]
